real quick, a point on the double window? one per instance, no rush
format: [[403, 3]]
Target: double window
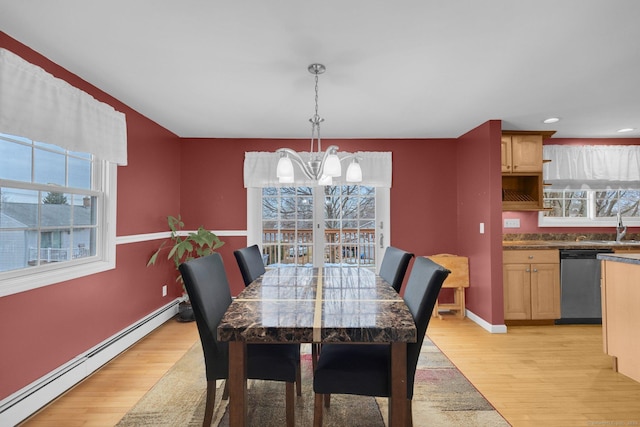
[[590, 207], [59, 151], [589, 185], [52, 213]]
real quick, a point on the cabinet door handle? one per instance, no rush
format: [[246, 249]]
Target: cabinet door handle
[[527, 271], [535, 270]]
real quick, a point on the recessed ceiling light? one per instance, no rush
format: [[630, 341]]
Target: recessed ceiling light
[[551, 120], [623, 130]]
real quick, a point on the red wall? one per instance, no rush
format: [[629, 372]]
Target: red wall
[[423, 198], [46, 327], [479, 201]]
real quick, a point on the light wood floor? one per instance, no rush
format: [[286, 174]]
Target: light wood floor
[[534, 376]]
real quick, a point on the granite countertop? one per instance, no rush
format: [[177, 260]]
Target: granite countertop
[[569, 241], [625, 258]]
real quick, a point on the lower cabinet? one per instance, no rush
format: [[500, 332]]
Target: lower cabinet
[[531, 281]]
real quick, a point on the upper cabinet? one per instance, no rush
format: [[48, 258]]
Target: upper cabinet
[[521, 153], [522, 186]]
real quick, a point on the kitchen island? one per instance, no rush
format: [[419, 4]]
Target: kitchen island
[[620, 315]]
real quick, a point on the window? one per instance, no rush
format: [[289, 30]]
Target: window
[[588, 185], [585, 207], [53, 214]]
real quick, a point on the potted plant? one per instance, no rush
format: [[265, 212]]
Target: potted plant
[[184, 248]]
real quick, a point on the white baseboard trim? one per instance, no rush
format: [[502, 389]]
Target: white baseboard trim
[[494, 329], [25, 402]]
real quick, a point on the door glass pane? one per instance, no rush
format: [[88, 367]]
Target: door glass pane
[[349, 217], [287, 225]]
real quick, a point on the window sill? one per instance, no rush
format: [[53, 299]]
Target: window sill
[[41, 278]]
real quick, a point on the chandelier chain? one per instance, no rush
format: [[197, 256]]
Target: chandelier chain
[[316, 119]]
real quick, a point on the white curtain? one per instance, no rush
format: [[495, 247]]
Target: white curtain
[[260, 170], [36, 105], [592, 165]]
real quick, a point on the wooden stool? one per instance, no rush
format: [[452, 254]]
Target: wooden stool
[[457, 280]]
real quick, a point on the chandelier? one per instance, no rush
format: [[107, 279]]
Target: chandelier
[[320, 167]]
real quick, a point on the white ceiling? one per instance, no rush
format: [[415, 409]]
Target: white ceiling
[[395, 69]]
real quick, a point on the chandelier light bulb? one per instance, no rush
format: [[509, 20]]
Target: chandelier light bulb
[[332, 166], [354, 172], [285, 168]]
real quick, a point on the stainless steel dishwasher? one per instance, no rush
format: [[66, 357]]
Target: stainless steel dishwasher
[[580, 286]]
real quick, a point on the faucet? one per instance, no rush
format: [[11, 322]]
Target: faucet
[[621, 229]]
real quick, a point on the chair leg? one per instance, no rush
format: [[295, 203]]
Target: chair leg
[[225, 392], [211, 400], [315, 350], [299, 380], [409, 413], [290, 405], [317, 410], [327, 400]]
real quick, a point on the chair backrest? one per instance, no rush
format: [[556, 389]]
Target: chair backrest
[[420, 295], [250, 263], [394, 266], [208, 288]]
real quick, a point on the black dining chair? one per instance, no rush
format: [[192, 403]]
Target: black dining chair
[[394, 266], [250, 263], [208, 288], [364, 369]]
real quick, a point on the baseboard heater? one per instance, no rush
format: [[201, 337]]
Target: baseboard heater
[[25, 402]]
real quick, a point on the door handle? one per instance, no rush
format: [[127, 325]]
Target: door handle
[[381, 241]]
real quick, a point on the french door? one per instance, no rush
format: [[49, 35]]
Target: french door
[[332, 225]]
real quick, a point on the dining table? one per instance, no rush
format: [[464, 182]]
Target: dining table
[[318, 305]]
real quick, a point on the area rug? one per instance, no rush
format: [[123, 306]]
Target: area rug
[[442, 397]]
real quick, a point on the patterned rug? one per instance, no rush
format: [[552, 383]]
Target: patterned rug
[[442, 397]]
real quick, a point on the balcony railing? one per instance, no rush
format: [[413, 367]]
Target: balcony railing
[[346, 246], [48, 255]]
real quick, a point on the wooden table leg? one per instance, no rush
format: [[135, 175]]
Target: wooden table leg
[[398, 400], [237, 384]]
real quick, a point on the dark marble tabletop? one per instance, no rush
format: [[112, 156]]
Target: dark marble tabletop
[[331, 304]]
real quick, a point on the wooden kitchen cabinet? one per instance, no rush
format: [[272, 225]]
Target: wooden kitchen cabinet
[[620, 318], [521, 153], [521, 160], [531, 282]]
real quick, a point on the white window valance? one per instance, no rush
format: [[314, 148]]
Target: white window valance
[[260, 170], [592, 165], [36, 105]]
